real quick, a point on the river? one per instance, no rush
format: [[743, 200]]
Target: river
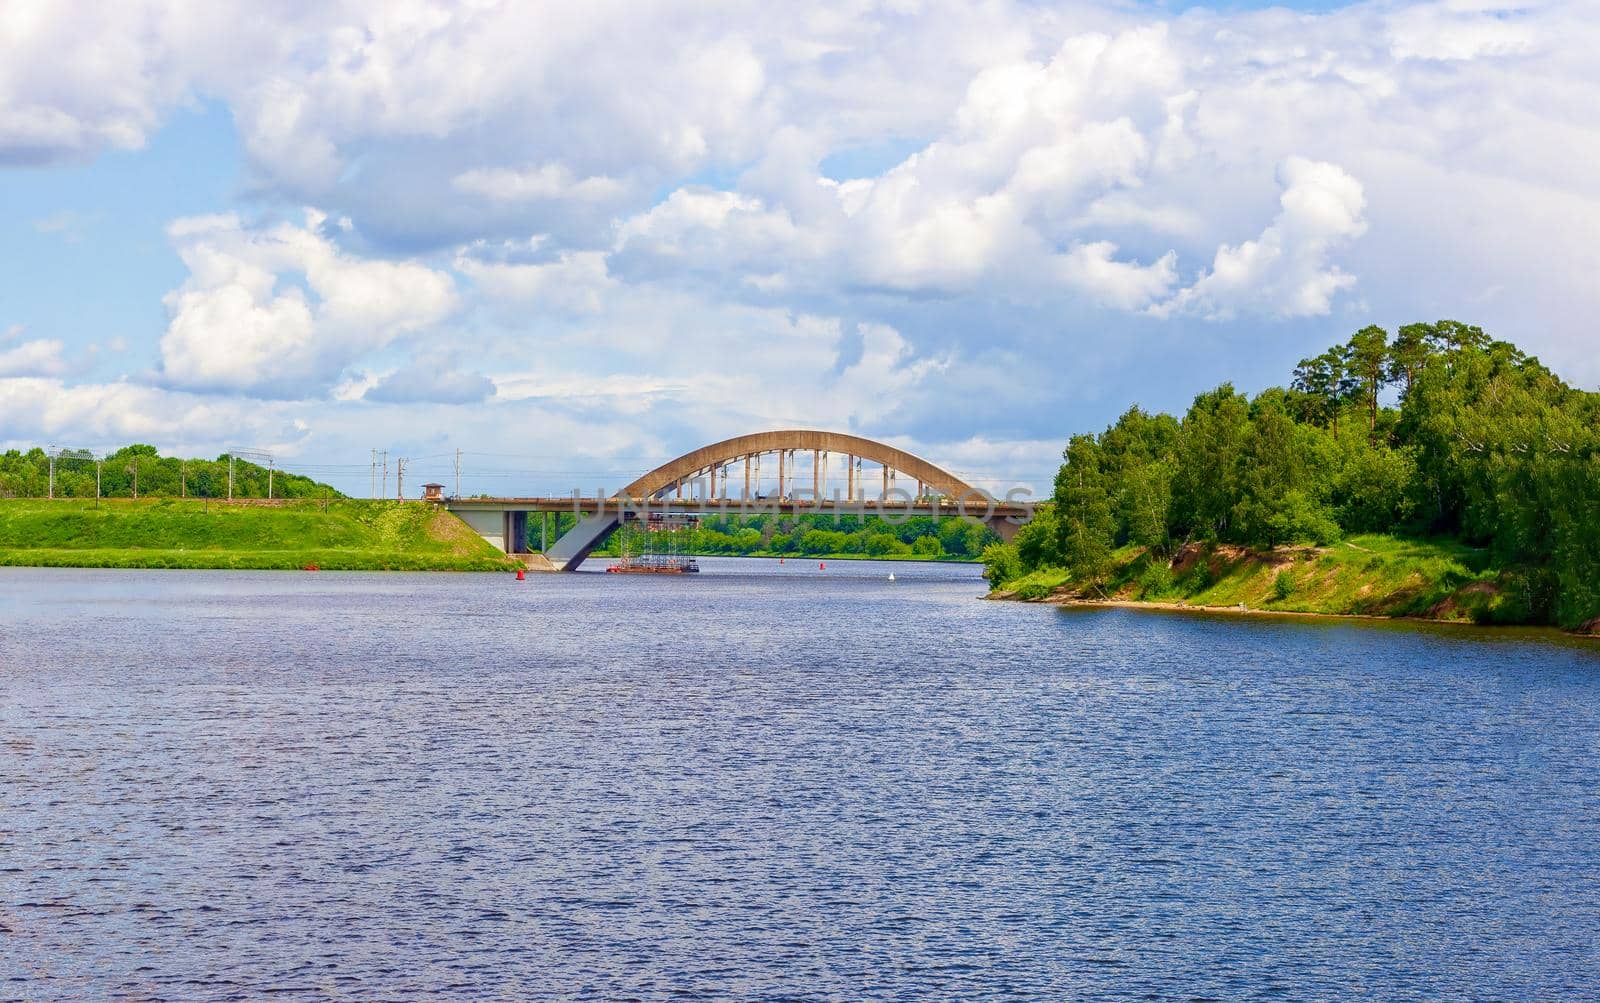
[[776, 781]]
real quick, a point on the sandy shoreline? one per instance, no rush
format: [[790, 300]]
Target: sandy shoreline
[[1240, 610]]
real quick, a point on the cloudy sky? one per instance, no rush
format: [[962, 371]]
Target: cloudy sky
[[575, 239]]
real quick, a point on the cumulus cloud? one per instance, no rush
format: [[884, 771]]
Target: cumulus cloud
[[1032, 190], [1094, 270], [281, 310], [40, 357], [1285, 272], [575, 282], [433, 380], [549, 181], [63, 81], [39, 410], [1039, 161]]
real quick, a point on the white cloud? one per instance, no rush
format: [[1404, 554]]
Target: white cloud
[[549, 181], [1094, 271], [101, 415], [65, 81], [240, 322], [433, 379], [40, 357], [1040, 160], [1285, 272], [575, 283], [697, 224], [1034, 189]]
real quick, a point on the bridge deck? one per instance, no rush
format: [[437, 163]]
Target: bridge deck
[[752, 506]]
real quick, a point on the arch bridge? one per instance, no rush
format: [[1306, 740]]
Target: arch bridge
[[754, 474]]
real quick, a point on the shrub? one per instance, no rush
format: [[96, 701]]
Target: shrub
[[1155, 580], [1000, 564], [1282, 586]]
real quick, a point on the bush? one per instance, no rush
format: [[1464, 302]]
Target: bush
[[1282, 586], [1034, 590], [1155, 580], [1000, 564]]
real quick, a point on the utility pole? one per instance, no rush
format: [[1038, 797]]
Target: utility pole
[[372, 486], [458, 473], [400, 479], [384, 483], [230, 477], [270, 463], [133, 468], [52, 472]]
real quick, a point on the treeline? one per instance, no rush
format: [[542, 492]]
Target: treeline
[[140, 471], [813, 535], [1485, 445]]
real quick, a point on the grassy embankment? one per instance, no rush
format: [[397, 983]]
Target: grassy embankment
[[344, 535], [1367, 575]]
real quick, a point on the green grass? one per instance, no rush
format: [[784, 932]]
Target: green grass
[[1372, 575], [344, 535]]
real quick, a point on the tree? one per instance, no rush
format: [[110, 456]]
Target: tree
[[1138, 457], [1412, 345], [1488, 446], [1368, 361], [1084, 523], [1279, 490], [1326, 380], [1204, 486], [1454, 336]]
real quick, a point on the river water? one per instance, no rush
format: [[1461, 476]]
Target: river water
[[776, 781]]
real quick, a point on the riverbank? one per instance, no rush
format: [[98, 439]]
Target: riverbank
[[1371, 576], [789, 555], [337, 535]]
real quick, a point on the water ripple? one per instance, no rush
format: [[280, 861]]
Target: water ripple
[[775, 782]]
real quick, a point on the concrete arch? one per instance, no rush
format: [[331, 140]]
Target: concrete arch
[[673, 472], [576, 544]]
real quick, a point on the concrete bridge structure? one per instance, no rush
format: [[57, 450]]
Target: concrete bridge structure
[[718, 479]]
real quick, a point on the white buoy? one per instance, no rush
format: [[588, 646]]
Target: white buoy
[[891, 576]]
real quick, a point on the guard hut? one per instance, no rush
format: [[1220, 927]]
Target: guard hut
[[433, 492]]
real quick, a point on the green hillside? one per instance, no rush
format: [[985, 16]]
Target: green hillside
[[1483, 475], [336, 535]]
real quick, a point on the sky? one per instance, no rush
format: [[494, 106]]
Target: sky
[[576, 240]]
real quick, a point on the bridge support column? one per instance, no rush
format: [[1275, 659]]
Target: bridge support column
[[1005, 528], [515, 535]]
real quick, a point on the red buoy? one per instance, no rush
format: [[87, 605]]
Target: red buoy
[[520, 575], [822, 565]]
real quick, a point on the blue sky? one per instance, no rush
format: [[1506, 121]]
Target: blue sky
[[570, 242]]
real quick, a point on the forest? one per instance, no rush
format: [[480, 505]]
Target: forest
[[913, 537], [140, 471], [1439, 432]]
